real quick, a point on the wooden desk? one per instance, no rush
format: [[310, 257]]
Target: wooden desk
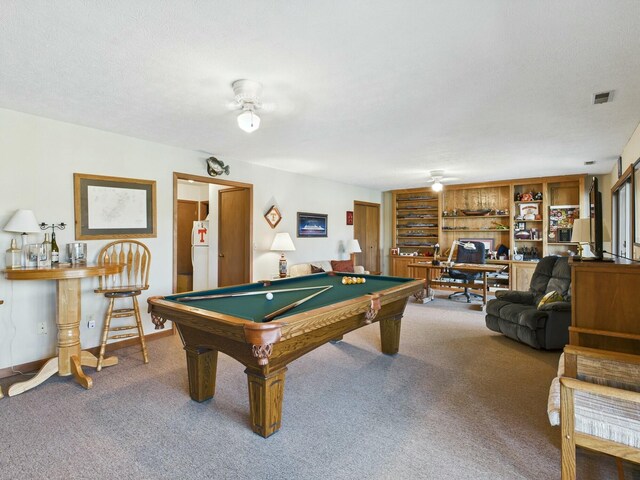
[[426, 270], [70, 358]]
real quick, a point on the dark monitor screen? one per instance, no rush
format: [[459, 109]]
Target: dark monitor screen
[[595, 215]]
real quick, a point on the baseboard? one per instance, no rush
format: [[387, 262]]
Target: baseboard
[[36, 365]]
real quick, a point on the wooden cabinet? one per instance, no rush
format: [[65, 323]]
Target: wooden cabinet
[[523, 215], [544, 210], [479, 212], [400, 264], [528, 220], [605, 305], [566, 200], [520, 275], [416, 220]]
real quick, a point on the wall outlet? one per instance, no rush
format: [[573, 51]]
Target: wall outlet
[[91, 324], [41, 328]]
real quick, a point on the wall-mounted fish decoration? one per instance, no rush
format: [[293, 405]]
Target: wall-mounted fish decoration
[[215, 167]]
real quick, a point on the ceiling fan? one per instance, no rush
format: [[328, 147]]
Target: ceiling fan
[[247, 100], [437, 177]]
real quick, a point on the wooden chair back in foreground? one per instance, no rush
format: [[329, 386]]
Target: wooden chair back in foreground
[[129, 283], [600, 406]]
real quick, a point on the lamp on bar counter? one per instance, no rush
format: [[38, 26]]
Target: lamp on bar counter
[[23, 222]]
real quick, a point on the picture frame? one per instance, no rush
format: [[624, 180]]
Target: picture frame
[[114, 207], [528, 211], [521, 225], [273, 216], [312, 225], [489, 243], [349, 217]]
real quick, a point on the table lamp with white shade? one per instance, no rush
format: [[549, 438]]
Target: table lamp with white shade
[[282, 243], [353, 246], [581, 234], [23, 222]]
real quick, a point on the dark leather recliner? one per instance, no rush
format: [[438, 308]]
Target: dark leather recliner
[[516, 313]]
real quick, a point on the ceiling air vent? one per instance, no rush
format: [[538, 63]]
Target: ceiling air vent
[[590, 162], [603, 97]]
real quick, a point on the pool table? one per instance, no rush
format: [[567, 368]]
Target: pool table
[[233, 323]]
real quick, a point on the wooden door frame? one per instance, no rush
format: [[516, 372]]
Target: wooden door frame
[[379, 206], [196, 178]]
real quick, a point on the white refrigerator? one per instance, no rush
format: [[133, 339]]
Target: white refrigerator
[[200, 254]]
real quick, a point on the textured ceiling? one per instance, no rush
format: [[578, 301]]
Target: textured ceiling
[[374, 93]]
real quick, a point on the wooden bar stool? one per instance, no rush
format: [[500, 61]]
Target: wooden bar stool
[[129, 283]]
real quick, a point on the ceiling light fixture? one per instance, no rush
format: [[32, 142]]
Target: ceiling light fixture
[[248, 119], [436, 177], [246, 98]]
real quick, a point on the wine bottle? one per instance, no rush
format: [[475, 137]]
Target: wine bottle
[[45, 259], [55, 251]]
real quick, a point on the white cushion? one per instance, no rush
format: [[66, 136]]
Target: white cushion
[[553, 402]]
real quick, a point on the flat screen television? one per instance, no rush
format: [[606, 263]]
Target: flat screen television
[[595, 208]]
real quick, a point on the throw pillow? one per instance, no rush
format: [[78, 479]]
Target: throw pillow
[[342, 266], [315, 269], [551, 297]]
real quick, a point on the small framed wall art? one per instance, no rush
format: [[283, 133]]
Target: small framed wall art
[[312, 225], [114, 207], [349, 217], [273, 216]]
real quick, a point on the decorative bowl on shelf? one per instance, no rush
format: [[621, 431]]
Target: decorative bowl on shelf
[[476, 213]]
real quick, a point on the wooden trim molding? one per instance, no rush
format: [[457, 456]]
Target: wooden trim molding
[[36, 365]]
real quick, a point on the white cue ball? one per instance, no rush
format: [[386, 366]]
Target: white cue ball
[[269, 296]]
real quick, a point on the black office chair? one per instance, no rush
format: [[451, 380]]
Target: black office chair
[[468, 255]]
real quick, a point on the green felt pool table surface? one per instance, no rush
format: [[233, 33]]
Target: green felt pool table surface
[[256, 307]]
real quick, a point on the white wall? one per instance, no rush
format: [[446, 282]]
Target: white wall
[[39, 157], [630, 154]]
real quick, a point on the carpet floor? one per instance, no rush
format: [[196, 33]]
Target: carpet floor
[[457, 402]]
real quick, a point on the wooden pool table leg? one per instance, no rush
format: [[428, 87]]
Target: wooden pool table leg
[[201, 368], [265, 400], [390, 335]]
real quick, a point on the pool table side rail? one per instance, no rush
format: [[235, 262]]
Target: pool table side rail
[[304, 322]]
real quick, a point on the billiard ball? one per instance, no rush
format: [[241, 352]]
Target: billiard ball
[[269, 296]]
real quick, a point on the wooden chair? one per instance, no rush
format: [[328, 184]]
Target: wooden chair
[[599, 406], [129, 283]]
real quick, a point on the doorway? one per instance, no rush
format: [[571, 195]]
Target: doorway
[[366, 229], [229, 255]]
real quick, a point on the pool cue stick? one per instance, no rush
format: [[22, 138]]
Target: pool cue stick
[[244, 294], [286, 308]]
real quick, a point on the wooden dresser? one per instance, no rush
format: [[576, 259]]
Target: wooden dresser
[[606, 305]]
